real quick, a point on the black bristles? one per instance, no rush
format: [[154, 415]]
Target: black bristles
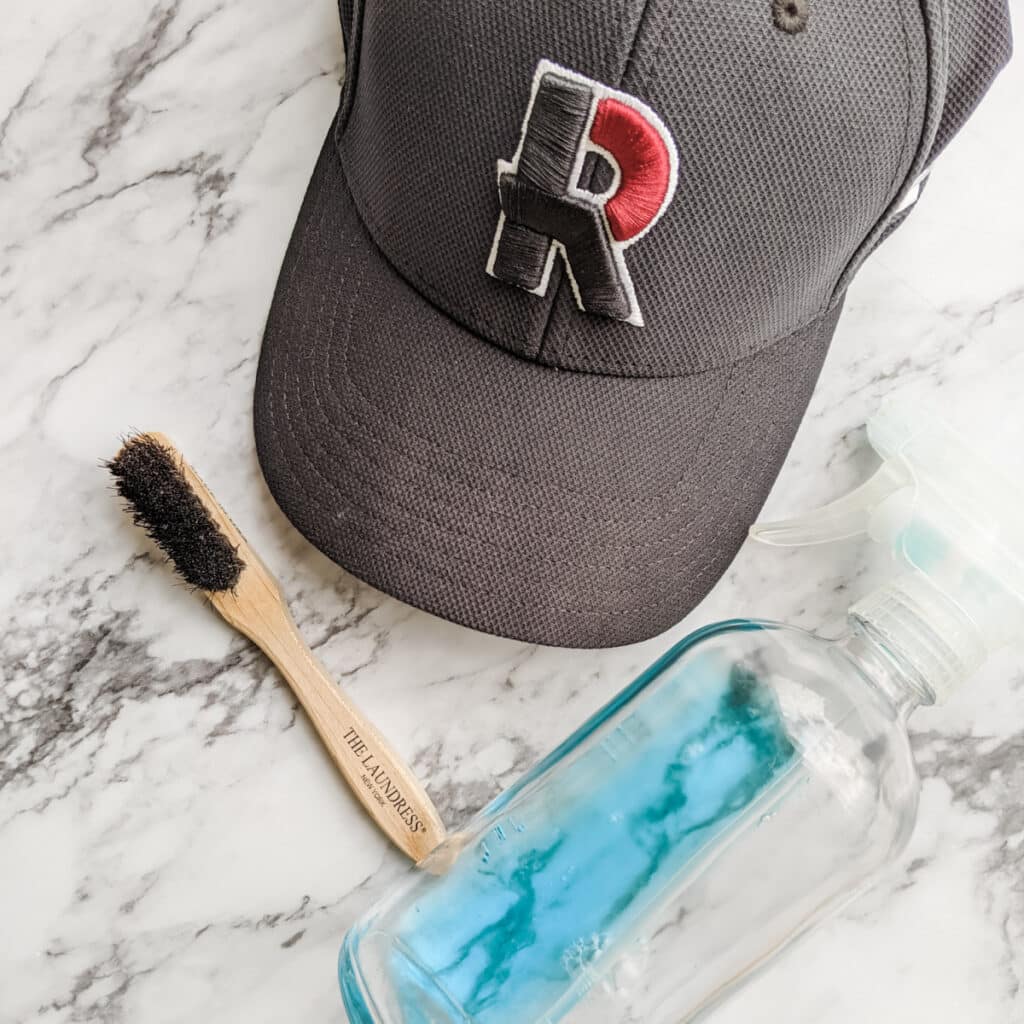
[[165, 506]]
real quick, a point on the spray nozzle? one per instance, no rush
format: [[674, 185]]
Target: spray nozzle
[[955, 519]]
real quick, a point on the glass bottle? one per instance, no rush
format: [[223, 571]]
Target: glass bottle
[[744, 784]]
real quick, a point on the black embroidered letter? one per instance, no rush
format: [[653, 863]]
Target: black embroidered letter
[[544, 209]]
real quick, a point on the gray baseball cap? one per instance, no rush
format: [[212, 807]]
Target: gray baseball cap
[[564, 278]]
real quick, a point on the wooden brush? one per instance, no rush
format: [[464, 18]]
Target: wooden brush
[[173, 505]]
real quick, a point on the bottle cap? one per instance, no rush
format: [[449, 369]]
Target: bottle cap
[[956, 522]]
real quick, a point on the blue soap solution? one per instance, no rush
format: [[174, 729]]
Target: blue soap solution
[[527, 917]]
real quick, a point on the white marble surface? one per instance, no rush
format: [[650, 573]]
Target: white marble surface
[[173, 844]]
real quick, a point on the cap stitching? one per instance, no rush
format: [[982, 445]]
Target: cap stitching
[[790, 16], [594, 611], [409, 555], [909, 98], [609, 51], [375, 413], [451, 306], [576, 609], [352, 50]]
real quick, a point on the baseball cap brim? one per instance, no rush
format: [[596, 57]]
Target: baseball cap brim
[[563, 508]]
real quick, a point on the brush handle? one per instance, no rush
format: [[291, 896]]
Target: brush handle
[[376, 774]]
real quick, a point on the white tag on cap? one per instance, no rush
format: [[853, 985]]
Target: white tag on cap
[[911, 196]]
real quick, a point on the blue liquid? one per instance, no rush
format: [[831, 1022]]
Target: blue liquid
[[519, 927]]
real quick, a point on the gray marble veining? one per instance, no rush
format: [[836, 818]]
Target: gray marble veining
[[173, 843]]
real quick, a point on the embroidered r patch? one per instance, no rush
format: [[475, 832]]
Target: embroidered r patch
[[544, 209]]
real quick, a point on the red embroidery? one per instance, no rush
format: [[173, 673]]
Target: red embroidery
[[643, 161]]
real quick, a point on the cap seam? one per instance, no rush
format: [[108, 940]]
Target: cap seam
[[423, 287], [877, 232], [352, 50], [562, 282], [644, 72]]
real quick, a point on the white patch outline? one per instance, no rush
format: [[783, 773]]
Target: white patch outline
[[598, 91]]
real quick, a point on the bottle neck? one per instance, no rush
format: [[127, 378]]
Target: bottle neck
[[904, 690], [935, 642]]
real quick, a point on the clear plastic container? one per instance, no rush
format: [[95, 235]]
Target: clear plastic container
[[748, 782]]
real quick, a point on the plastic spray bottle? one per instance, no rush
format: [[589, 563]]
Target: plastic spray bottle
[[749, 782]]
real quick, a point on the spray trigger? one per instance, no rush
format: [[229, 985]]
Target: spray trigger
[[879, 507]]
